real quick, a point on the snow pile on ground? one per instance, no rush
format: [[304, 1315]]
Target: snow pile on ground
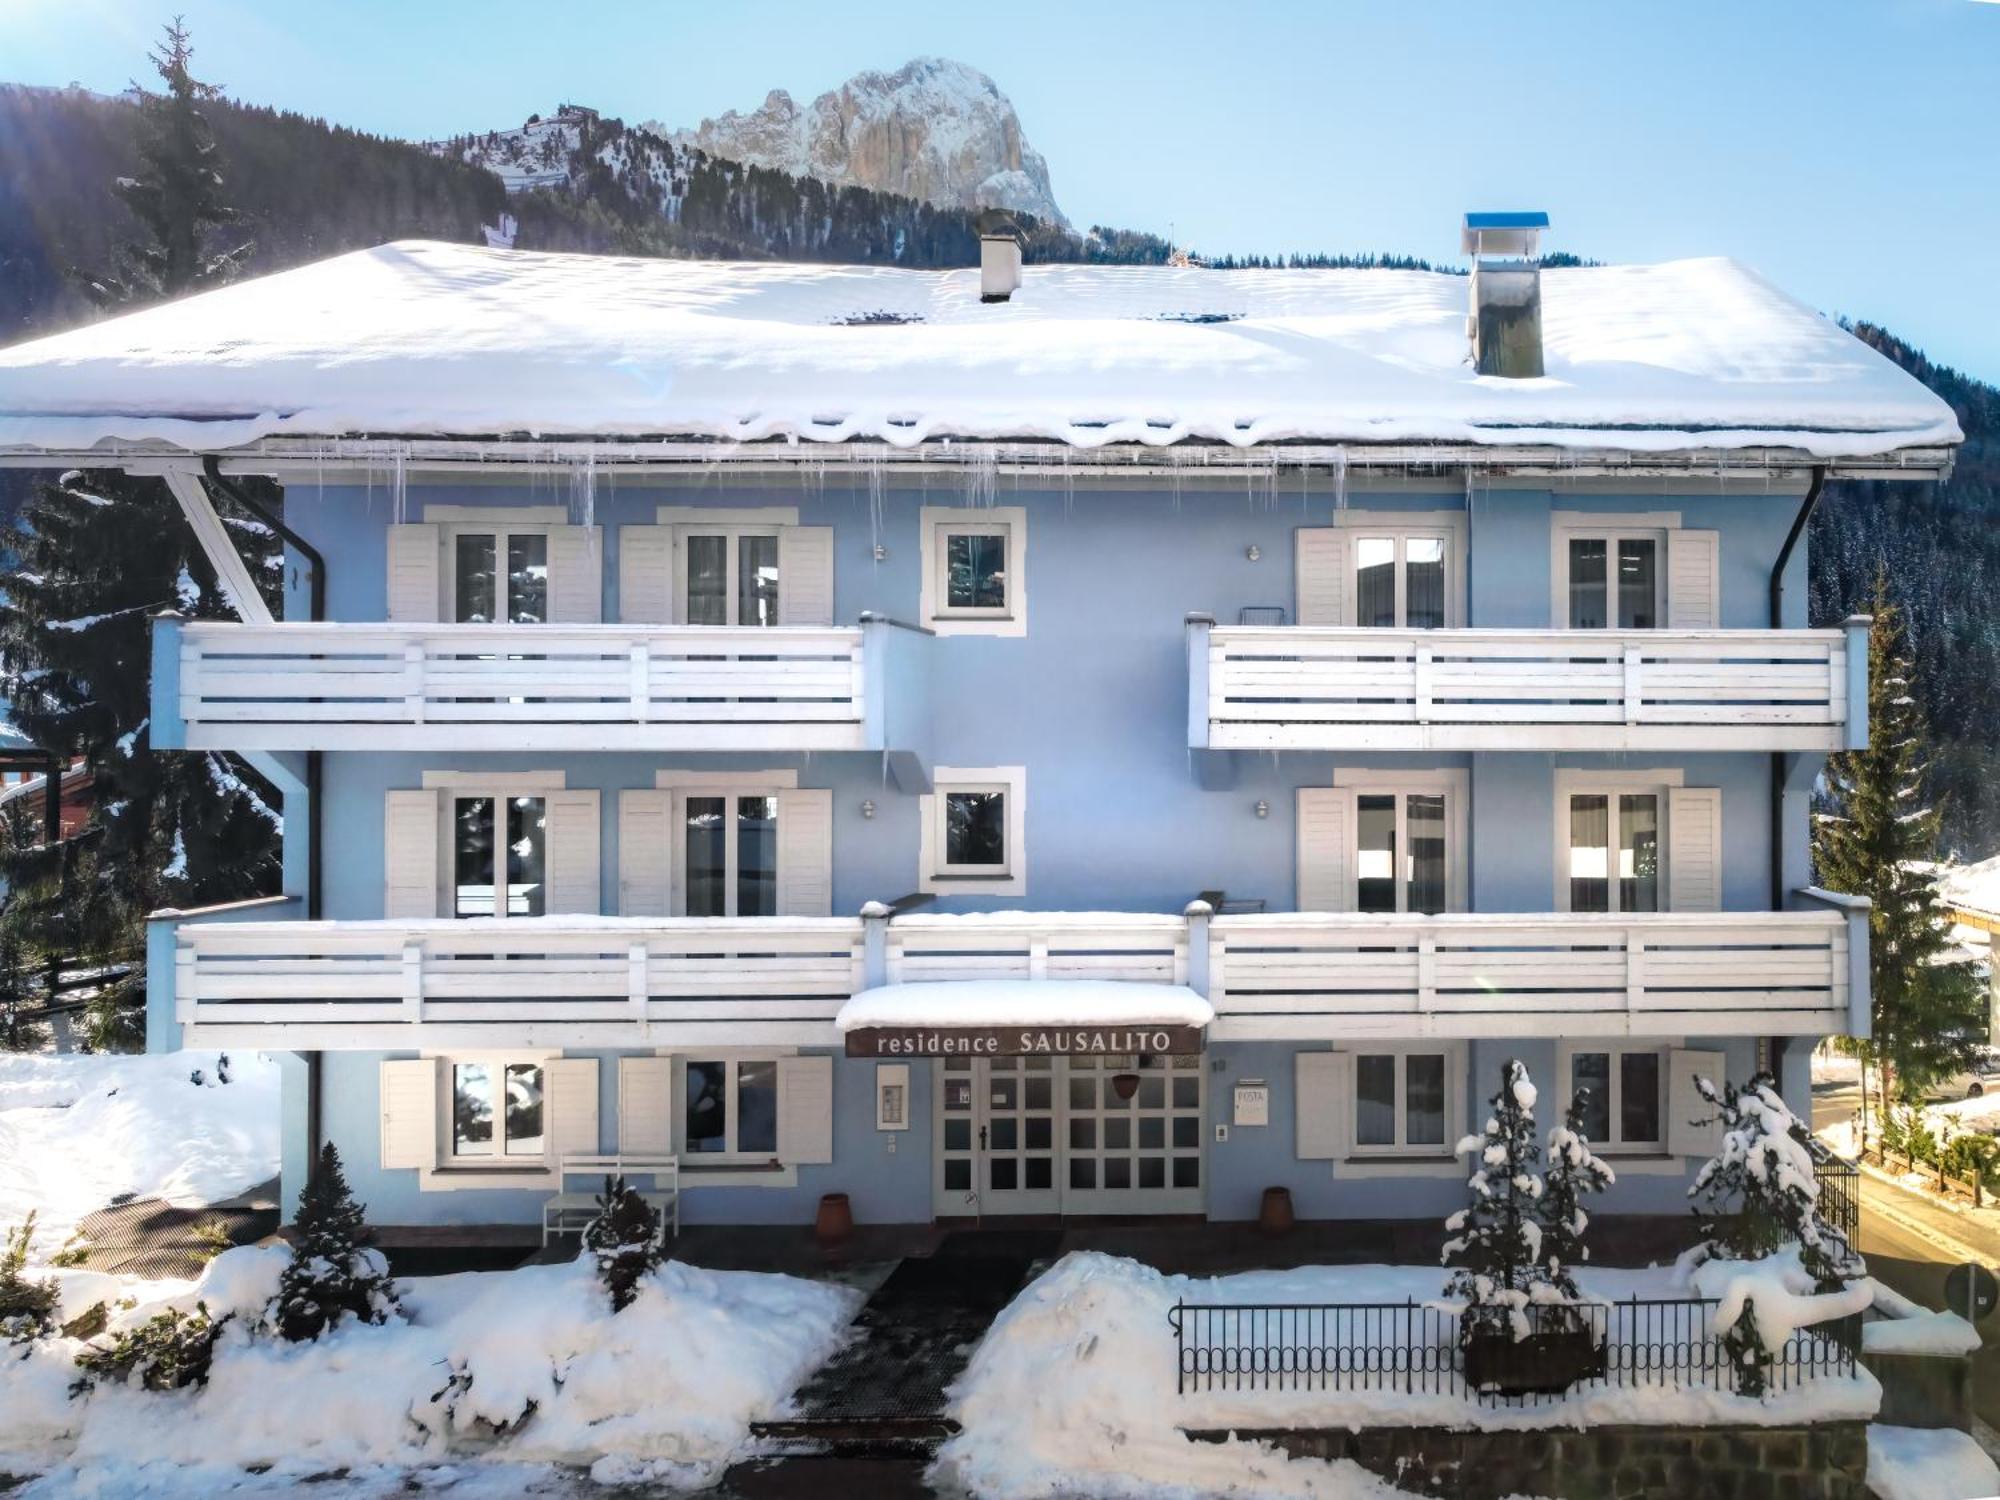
[[78, 1131], [1919, 1463], [526, 1365], [1073, 1390]]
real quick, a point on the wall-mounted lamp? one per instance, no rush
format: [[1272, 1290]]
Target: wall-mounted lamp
[[867, 809], [881, 552], [1253, 552], [1263, 808]]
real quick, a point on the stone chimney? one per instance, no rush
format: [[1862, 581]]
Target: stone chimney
[[999, 256], [1505, 324]]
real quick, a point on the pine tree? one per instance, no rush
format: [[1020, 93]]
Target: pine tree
[[177, 197], [27, 1308], [1574, 1173], [20, 1029], [625, 1239], [1496, 1243], [96, 556], [1879, 839], [334, 1272], [1760, 1192]]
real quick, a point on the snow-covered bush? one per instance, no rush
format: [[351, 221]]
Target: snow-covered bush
[[334, 1272], [168, 1352], [27, 1307], [1495, 1248], [1758, 1196], [1574, 1173], [625, 1239]]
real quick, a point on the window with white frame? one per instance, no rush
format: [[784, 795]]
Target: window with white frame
[[1404, 1102], [499, 854], [497, 574], [1623, 1093], [972, 570], [1399, 851], [728, 574], [499, 1112], [729, 1109], [728, 856], [973, 829], [1612, 578], [1612, 843], [1401, 578]]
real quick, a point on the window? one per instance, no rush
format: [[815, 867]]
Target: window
[[498, 1111], [729, 575], [499, 856], [973, 827], [1399, 851], [499, 575], [1400, 580], [1614, 851], [730, 1109], [729, 853], [972, 578], [1403, 1102], [1611, 577], [1623, 1090]]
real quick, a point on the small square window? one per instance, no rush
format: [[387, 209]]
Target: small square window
[[975, 829], [972, 559], [975, 570]]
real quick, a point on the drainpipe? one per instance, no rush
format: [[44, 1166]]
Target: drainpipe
[[1776, 1046], [317, 596]]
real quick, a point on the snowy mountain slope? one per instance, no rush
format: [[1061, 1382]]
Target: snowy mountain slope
[[934, 129]]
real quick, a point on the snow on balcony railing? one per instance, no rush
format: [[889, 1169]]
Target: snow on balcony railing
[[382, 686], [1307, 687]]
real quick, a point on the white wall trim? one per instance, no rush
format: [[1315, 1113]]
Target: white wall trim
[[930, 852], [509, 516], [726, 515], [497, 781], [1615, 520], [675, 779], [1580, 779], [934, 519], [1362, 519]]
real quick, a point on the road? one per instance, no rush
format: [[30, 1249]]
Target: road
[[1911, 1244]]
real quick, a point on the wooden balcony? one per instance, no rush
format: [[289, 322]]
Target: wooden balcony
[[1308, 688], [301, 686], [611, 981]]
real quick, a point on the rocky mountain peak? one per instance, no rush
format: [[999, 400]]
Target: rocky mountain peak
[[933, 129]]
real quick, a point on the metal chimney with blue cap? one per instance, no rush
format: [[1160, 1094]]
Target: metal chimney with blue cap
[[1505, 325]]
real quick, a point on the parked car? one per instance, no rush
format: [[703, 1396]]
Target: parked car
[[1974, 1081]]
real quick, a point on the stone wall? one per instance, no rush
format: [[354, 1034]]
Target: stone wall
[[1823, 1462]]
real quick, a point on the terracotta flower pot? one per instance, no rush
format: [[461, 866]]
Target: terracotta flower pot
[[835, 1220], [1274, 1215]]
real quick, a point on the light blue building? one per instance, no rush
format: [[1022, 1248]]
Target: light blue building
[[1211, 719]]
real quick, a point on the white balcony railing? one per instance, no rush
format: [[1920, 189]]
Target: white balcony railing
[[1293, 687], [562, 981], [1659, 974], [301, 686]]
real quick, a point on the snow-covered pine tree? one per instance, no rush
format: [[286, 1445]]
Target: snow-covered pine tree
[[1495, 1248], [95, 556], [1879, 839], [334, 1273], [625, 1239], [177, 195], [1574, 1173]]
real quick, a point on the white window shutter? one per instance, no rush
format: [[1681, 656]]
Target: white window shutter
[[646, 1105], [645, 853], [1694, 580], [416, 589], [1320, 1104], [572, 1099], [805, 853], [571, 841], [409, 1113], [805, 1111], [1694, 849], [1325, 854], [646, 575], [576, 575], [805, 575], [1325, 596], [410, 855], [1694, 1126]]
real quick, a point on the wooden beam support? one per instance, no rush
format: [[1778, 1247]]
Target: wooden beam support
[[230, 569]]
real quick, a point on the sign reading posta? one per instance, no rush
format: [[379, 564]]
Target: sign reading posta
[[1022, 1041]]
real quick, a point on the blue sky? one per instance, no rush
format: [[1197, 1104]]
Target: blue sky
[[1847, 148]]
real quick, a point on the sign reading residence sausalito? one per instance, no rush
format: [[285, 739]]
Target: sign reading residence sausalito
[[1022, 1041]]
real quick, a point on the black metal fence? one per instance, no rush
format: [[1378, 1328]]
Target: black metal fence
[[1839, 1194], [1415, 1348]]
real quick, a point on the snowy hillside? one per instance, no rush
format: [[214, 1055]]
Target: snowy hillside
[[934, 130]]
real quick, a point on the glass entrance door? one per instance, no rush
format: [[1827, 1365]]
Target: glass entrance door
[[997, 1148]]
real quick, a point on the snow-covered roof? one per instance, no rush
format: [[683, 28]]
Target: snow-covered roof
[[1025, 1002], [452, 340]]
